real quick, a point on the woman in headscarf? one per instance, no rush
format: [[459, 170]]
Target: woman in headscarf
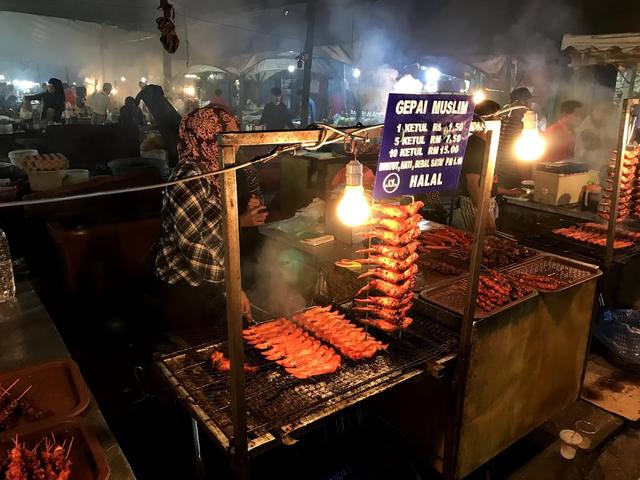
[[190, 259], [53, 100]]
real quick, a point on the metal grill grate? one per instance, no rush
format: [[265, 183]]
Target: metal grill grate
[[277, 402], [564, 270]]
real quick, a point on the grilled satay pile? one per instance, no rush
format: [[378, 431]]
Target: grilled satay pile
[[539, 282], [16, 406], [495, 290], [393, 267], [288, 342], [48, 460], [445, 238], [497, 252], [629, 192], [596, 234], [301, 354], [442, 267]]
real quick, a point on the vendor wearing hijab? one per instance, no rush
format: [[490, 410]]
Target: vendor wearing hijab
[[53, 101], [190, 259]]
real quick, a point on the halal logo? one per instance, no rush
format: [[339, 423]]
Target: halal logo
[[391, 183]]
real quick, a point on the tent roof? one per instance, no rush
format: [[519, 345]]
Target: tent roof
[[602, 49]]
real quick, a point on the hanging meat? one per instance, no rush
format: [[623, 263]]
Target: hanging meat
[[628, 177], [393, 267], [166, 25]]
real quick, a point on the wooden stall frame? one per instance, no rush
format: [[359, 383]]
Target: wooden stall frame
[[230, 142]]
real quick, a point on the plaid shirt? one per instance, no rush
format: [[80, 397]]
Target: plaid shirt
[[191, 246]]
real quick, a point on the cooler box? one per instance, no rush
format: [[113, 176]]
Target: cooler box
[[558, 188]]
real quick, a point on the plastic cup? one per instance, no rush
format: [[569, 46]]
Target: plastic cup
[[587, 430], [570, 441]]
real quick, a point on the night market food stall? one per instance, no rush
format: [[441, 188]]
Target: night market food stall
[[477, 361]]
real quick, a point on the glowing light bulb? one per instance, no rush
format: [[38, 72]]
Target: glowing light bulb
[[291, 68], [531, 145], [143, 79], [353, 208], [356, 72], [114, 91], [479, 96], [123, 79], [190, 91]]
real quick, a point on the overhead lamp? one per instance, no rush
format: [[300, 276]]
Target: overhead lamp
[[291, 68], [479, 96], [192, 76], [114, 91], [356, 72], [190, 91], [432, 75], [123, 79], [531, 145], [143, 79], [1, 78], [353, 207]]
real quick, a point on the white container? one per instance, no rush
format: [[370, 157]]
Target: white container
[[74, 176], [558, 188], [41, 181], [16, 155]]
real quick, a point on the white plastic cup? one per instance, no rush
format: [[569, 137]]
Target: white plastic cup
[[570, 442], [587, 430]]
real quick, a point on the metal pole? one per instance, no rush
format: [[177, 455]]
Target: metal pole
[[453, 434], [239, 452], [308, 59], [623, 140]]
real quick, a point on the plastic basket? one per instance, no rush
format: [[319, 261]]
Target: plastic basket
[[619, 331]]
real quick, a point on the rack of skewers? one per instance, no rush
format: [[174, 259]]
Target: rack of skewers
[[300, 370]]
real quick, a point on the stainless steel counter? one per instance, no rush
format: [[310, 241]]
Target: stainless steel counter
[[28, 336], [558, 210]]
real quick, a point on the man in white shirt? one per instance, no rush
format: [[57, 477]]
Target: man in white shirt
[[100, 104]]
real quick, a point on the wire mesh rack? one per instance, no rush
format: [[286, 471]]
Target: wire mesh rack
[[564, 270], [277, 403]]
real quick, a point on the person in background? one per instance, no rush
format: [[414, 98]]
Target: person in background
[[276, 115], [165, 117], [100, 103], [52, 100], [561, 135], [464, 216], [70, 94], [511, 170], [218, 99], [312, 107], [190, 260], [596, 136], [130, 114]]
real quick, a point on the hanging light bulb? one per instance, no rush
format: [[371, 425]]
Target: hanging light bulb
[[291, 68], [479, 96], [530, 146], [353, 208]]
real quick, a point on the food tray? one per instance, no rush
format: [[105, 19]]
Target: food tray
[[570, 272], [56, 386], [87, 457], [449, 298], [428, 279]]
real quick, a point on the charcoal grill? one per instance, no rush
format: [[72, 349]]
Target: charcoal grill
[[278, 404]]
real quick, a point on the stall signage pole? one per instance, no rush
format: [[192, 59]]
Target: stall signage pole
[[424, 140]]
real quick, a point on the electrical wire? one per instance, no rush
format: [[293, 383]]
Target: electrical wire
[[330, 135]]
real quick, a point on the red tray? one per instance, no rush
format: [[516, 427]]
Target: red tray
[[56, 386], [87, 457]]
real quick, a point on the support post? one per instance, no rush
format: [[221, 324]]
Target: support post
[[167, 71], [308, 59], [239, 452], [453, 434]]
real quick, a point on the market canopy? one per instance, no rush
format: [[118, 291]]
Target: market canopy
[[619, 48]]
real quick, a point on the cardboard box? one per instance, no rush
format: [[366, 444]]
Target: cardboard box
[[558, 188]]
